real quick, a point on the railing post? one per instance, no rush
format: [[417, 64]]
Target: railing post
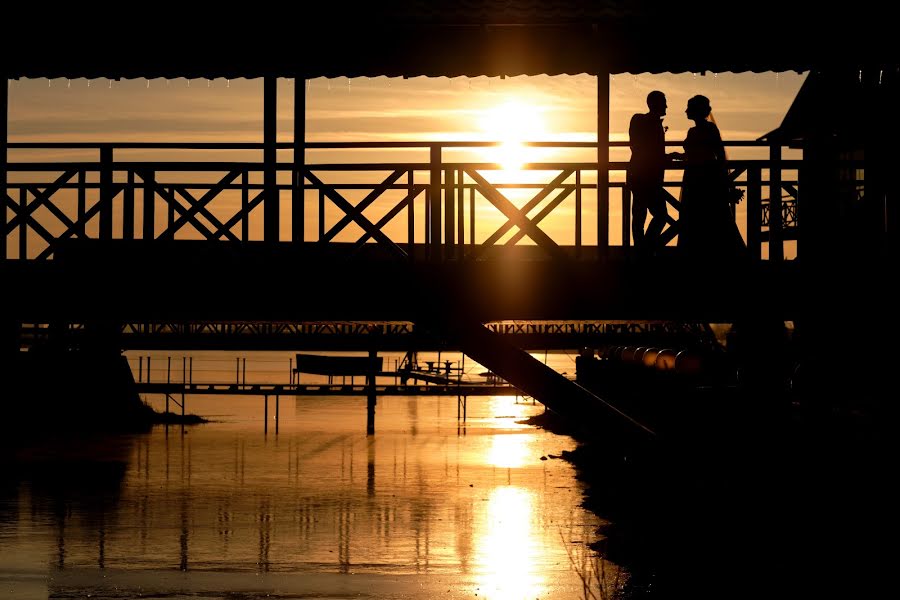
[[434, 211], [271, 207], [170, 213], [106, 192], [298, 218], [245, 204], [754, 211], [602, 163], [128, 208], [321, 215], [149, 225], [4, 141], [82, 201], [578, 213], [410, 216], [449, 214], [776, 243], [472, 217], [461, 217], [23, 224]]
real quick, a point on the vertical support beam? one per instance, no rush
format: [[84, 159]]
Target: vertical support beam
[[277, 408], [434, 211], [23, 224], [449, 214], [4, 141], [370, 398], [410, 216], [149, 225], [128, 208], [321, 215], [82, 200], [106, 192], [298, 204], [266, 414], [776, 242], [245, 203], [461, 218], [602, 163], [271, 213], [472, 217], [578, 213], [170, 214], [754, 212]]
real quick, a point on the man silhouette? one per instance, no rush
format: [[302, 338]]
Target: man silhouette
[[644, 177]]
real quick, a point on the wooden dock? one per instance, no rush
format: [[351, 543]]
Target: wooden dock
[[332, 389]]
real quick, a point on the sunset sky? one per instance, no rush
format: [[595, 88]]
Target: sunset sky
[[745, 105]]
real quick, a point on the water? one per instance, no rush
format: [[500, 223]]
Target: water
[[429, 506]]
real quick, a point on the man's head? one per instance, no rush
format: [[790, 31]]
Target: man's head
[[656, 102]]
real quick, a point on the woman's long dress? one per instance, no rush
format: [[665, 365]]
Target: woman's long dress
[[707, 230]]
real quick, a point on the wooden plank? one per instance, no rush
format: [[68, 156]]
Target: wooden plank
[[535, 200], [562, 195], [363, 204], [517, 217]]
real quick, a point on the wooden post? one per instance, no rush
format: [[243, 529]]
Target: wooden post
[[149, 225], [754, 211], [245, 203], [170, 215], [4, 141], [128, 208], [271, 213], [776, 243], [298, 204], [23, 224], [602, 163], [370, 398], [461, 225], [277, 404], [82, 200], [449, 214], [434, 208], [472, 217], [410, 216], [578, 213], [266, 413], [106, 192]]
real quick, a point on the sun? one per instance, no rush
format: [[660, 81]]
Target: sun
[[512, 123]]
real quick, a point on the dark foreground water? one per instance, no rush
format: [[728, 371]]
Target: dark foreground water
[[427, 507]]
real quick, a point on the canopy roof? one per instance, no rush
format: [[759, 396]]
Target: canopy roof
[[442, 38]]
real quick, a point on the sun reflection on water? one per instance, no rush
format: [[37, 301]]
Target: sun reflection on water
[[508, 550]]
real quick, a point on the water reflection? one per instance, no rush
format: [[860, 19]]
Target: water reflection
[[507, 551], [480, 511]]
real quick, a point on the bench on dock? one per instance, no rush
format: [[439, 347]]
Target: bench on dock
[[344, 366]]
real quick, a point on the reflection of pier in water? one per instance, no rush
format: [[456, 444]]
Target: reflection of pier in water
[[199, 523]]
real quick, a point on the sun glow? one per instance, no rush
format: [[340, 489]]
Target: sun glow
[[512, 123], [509, 548]]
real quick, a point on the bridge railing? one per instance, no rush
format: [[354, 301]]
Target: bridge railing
[[418, 200]]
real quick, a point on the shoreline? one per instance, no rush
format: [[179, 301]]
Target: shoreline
[[710, 512]]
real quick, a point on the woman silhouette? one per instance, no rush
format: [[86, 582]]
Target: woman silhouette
[[706, 224]]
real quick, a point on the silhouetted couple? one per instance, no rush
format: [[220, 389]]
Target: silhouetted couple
[[707, 230]]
